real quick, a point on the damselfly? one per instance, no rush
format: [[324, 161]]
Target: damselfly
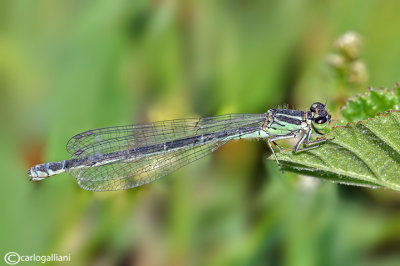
[[123, 157]]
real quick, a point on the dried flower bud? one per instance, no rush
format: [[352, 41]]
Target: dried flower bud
[[336, 61], [358, 74], [349, 44]]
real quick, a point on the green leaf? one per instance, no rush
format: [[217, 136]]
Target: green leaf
[[362, 153], [371, 103]]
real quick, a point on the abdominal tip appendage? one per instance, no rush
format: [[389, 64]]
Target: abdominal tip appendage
[[33, 176]]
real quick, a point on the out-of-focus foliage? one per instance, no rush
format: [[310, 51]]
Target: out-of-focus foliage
[[70, 66], [368, 105]]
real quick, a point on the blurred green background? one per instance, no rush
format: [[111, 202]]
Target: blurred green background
[[70, 66]]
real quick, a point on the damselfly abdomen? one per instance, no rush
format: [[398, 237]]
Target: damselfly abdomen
[[123, 157]]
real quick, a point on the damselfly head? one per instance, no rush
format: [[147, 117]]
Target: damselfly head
[[320, 116]]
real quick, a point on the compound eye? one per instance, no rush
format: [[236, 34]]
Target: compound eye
[[321, 120], [313, 107]]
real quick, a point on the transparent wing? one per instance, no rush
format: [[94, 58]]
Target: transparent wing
[[129, 174], [139, 169], [115, 139]]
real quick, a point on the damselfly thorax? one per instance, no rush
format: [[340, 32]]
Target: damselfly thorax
[[123, 157]]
